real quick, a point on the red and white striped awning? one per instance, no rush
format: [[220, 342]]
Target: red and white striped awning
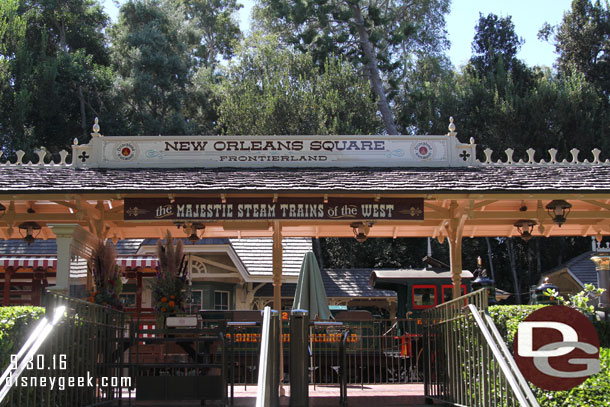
[[134, 262], [32, 262]]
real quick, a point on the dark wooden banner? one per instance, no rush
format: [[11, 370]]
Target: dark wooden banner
[[201, 209]]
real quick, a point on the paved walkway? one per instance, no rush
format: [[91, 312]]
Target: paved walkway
[[379, 395]]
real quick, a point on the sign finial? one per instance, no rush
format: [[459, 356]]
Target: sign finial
[[96, 128], [451, 127]]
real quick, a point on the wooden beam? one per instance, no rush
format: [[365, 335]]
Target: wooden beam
[[218, 264]]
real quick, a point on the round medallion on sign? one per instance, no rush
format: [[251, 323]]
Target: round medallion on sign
[[423, 150], [125, 151], [556, 348]]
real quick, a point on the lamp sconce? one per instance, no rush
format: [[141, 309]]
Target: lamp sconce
[[29, 228], [191, 229], [558, 210], [361, 230], [525, 227]]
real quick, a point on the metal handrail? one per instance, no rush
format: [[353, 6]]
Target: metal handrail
[[267, 393], [27, 352], [509, 359], [467, 361], [261, 394]]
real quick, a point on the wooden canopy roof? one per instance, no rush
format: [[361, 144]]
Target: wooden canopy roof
[[482, 198]]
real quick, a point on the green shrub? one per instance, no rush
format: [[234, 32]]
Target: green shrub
[[15, 324], [507, 318], [592, 392], [603, 330]]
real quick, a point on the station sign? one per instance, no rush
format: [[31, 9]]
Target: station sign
[[214, 209], [273, 151]]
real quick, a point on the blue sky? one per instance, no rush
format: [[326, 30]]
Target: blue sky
[[527, 15]]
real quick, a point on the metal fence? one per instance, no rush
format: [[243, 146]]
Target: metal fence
[[466, 360], [377, 352], [76, 364]]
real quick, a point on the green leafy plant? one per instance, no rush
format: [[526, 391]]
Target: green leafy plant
[[579, 301], [15, 324], [167, 288]]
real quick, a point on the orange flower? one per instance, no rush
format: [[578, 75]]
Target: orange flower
[[164, 299], [171, 304], [172, 297], [163, 309]]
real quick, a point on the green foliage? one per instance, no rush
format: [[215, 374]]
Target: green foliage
[[152, 45], [54, 75], [15, 324], [217, 27], [603, 330], [507, 318], [592, 392], [275, 91], [378, 38], [582, 42], [580, 300], [495, 40]]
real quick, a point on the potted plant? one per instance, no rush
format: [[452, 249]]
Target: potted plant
[[106, 276], [168, 285]]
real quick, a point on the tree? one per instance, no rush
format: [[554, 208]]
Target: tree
[[54, 72], [152, 46], [377, 37], [582, 41], [495, 39], [217, 28], [274, 90]]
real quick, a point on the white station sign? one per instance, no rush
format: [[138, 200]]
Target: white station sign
[[273, 151]]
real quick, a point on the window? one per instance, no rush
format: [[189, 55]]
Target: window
[[221, 300], [193, 302], [424, 296], [447, 291]]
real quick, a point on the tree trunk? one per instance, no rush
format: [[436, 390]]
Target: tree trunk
[[376, 83], [513, 267], [490, 258]]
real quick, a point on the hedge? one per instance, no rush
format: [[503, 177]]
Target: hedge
[[15, 323], [592, 392]]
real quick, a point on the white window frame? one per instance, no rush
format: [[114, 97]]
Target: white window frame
[[228, 305]]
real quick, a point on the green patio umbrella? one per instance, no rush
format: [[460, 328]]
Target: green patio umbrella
[[310, 293]]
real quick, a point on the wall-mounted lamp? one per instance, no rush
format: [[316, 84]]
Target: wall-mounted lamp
[[191, 229], [29, 228], [525, 228], [558, 210], [361, 230]]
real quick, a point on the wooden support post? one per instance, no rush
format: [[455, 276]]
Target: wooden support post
[[455, 253], [455, 228], [138, 291], [277, 266], [7, 286], [36, 296], [277, 290]]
